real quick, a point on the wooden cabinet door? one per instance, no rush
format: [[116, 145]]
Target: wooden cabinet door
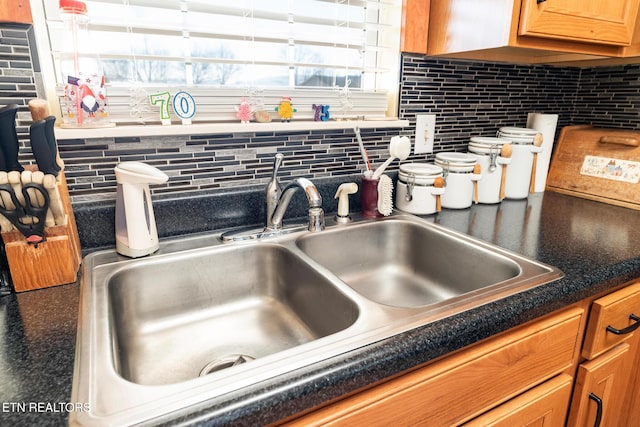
[[608, 22], [600, 389], [545, 405], [632, 399], [415, 26], [15, 11], [459, 387], [612, 321]]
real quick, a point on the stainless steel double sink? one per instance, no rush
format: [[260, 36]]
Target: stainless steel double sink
[[200, 318]]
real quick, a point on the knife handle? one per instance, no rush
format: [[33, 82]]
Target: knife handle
[[50, 122], [55, 203], [9, 137], [40, 147], [3, 163], [39, 109]]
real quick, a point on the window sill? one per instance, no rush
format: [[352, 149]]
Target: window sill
[[216, 128]]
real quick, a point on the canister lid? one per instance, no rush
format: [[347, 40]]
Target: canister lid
[[456, 157], [516, 131], [488, 140], [419, 173], [456, 162], [518, 135], [421, 169]]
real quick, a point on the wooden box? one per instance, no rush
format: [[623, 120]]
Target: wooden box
[[597, 164]]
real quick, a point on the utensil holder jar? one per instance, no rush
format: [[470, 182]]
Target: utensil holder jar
[[369, 197]]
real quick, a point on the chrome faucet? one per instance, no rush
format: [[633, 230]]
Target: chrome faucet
[[278, 200]]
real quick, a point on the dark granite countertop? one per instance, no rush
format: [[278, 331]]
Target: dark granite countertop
[[596, 245]]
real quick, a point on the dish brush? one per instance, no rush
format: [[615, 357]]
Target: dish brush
[[385, 195]]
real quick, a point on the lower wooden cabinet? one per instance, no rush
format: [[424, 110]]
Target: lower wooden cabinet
[[607, 382], [458, 388], [601, 384], [544, 405], [614, 319], [538, 374]]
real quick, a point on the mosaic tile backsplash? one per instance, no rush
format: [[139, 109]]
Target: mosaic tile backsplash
[[469, 98], [204, 162]]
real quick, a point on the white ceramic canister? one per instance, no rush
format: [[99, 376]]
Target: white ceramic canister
[[487, 153], [518, 177], [457, 171], [415, 192]]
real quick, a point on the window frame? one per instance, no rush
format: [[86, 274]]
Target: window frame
[[377, 104]]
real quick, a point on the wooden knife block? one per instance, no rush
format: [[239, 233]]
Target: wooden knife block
[[55, 261]]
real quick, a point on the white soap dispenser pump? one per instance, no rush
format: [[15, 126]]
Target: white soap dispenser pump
[[136, 232]]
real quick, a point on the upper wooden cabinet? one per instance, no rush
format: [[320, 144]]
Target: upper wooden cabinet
[[415, 26], [603, 22], [15, 11], [552, 31]]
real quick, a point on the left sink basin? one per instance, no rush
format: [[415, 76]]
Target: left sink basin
[[196, 321], [199, 314]]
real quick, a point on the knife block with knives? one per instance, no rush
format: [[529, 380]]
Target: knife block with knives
[[39, 231]]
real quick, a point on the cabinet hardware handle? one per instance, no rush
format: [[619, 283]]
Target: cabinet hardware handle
[[621, 140], [540, 1], [628, 329], [598, 409]]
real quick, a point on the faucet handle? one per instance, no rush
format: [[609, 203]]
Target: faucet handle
[[277, 162]]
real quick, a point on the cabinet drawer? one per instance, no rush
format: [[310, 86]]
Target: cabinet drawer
[[600, 388], [460, 387], [545, 404], [617, 311]]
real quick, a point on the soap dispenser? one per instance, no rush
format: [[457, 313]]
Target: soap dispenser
[[136, 233]]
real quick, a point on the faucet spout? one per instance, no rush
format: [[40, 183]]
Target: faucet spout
[[316, 214]]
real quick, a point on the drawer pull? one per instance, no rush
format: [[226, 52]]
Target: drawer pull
[[621, 140], [628, 329], [598, 409]]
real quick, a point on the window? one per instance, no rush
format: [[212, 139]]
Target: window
[[341, 53]]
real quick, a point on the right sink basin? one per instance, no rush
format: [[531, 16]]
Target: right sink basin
[[407, 264]]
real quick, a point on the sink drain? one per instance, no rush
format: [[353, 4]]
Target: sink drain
[[225, 362]]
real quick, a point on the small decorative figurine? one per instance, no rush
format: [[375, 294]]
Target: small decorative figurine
[[162, 99], [344, 93], [88, 100], [244, 111], [285, 109], [263, 116], [184, 106], [321, 112]]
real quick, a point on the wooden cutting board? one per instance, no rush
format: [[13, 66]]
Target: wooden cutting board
[[598, 164]]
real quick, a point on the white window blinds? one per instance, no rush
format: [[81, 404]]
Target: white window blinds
[[342, 53]]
